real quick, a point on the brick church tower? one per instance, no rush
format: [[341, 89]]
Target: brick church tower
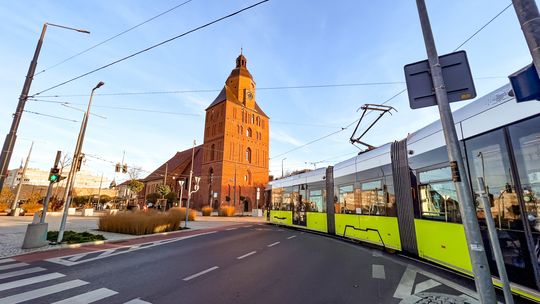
[[236, 144]]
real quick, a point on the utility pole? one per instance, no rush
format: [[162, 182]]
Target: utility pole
[[189, 183], [14, 205], [99, 190], [529, 20], [282, 166], [49, 189], [477, 253], [11, 137]]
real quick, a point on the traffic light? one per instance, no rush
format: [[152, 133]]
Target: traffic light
[[54, 175], [124, 168], [117, 167]]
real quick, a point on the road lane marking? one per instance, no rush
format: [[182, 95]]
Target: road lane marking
[[377, 253], [292, 236], [106, 253], [65, 260], [231, 228], [137, 301], [246, 255], [41, 292], [406, 284], [200, 273], [423, 286], [377, 271], [89, 297], [11, 266], [78, 257], [6, 261], [21, 272], [273, 244], [247, 226], [29, 281]]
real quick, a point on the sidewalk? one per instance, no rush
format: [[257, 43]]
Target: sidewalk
[[13, 229]]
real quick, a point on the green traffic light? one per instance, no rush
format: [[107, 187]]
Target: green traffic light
[[53, 178]]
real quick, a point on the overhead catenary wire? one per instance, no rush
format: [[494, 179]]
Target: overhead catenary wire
[[151, 47], [50, 116], [113, 37]]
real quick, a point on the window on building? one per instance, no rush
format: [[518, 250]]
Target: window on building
[[252, 118], [248, 132], [248, 155]]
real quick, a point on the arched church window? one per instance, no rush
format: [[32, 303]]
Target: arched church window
[[248, 155], [248, 132]]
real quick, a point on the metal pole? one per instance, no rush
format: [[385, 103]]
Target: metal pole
[[165, 184], [282, 166], [74, 165], [49, 189], [529, 19], [494, 239], [477, 253], [99, 190], [11, 137], [189, 184], [19, 186]]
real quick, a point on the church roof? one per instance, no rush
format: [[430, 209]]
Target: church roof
[[226, 94], [178, 163]]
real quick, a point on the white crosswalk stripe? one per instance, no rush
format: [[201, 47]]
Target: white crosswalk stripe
[[41, 292], [11, 266], [89, 297], [6, 261], [21, 272], [137, 301], [29, 281]]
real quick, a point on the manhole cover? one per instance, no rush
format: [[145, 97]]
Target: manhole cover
[[435, 298]]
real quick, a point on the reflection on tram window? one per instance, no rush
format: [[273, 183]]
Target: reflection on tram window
[[488, 158], [277, 198], [346, 203], [372, 200], [525, 138], [316, 201], [438, 197]]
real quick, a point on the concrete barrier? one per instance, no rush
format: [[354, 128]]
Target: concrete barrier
[[36, 236]]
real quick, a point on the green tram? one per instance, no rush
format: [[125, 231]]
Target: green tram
[[401, 196]]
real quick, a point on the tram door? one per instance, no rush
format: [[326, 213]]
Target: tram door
[[299, 205], [489, 157]]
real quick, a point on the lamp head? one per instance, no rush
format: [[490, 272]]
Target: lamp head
[[99, 85], [181, 182], [197, 180]]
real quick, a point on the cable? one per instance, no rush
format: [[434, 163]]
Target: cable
[[65, 103], [153, 46], [480, 29], [51, 116], [258, 89], [113, 37]]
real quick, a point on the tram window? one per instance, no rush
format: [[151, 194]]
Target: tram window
[[488, 157], [438, 197], [390, 197], [372, 200], [287, 200], [316, 201], [526, 145], [277, 198], [346, 203]]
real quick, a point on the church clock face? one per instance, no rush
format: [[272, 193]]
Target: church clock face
[[249, 95]]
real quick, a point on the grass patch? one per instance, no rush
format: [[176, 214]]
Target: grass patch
[[140, 222], [72, 237]]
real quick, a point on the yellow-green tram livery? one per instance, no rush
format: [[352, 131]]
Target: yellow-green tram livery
[[401, 195]]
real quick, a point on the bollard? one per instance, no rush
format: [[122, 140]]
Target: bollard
[[36, 236]]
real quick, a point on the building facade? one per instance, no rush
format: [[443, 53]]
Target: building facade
[[236, 144], [39, 177]]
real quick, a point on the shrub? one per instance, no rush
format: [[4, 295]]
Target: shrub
[[226, 211], [72, 237], [31, 208], [140, 222], [4, 206], [206, 211], [182, 213]]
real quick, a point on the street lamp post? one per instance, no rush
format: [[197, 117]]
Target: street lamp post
[[181, 183], [11, 137], [75, 164], [282, 166]]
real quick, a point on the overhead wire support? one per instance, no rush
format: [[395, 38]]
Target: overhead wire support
[[369, 107]]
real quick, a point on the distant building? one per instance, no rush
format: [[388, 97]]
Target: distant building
[[39, 177], [233, 160]]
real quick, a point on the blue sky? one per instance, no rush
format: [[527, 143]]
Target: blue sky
[[287, 43]]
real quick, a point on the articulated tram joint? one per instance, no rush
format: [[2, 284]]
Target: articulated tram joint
[[365, 230]]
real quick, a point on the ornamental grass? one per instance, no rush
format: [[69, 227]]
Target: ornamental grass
[[140, 222], [206, 210], [227, 211]]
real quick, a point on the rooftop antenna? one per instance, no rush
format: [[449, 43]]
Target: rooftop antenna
[[368, 107]]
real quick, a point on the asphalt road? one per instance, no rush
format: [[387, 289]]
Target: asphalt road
[[249, 264]]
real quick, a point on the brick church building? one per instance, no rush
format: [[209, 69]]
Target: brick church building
[[233, 159]]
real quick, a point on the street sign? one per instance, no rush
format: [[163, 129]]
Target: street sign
[[258, 193], [457, 79]]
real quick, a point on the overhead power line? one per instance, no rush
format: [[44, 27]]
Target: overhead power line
[[153, 46], [51, 116], [113, 37]]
